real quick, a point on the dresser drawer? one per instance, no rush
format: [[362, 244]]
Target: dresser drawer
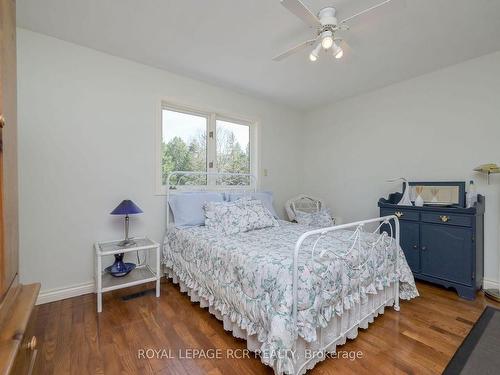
[[26, 357], [27, 353], [445, 218], [402, 214]]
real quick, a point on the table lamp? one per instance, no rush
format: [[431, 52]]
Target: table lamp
[[127, 207], [119, 268]]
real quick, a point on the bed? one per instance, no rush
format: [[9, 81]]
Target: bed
[[293, 293]]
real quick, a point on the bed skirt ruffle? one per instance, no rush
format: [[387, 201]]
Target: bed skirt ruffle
[[306, 354]]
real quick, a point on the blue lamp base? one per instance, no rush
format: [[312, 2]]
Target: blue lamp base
[[119, 268]]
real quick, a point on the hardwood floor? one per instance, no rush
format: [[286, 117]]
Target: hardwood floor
[[74, 339]]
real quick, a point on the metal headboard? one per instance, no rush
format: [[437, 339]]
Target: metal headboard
[[303, 202], [211, 184]]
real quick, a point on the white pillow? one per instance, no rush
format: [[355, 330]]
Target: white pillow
[[187, 207], [321, 219], [266, 197], [239, 216]]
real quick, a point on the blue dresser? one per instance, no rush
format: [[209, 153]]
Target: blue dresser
[[442, 245]]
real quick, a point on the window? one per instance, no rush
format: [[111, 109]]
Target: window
[[204, 141], [232, 151], [184, 146]]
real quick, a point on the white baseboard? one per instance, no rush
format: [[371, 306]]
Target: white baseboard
[[57, 294], [490, 284]]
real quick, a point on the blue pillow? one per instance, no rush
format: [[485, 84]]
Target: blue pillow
[[266, 197], [187, 207]]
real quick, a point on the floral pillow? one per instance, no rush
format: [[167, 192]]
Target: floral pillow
[[319, 219], [239, 216]]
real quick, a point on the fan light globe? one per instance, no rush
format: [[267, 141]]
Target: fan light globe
[[327, 42], [338, 52], [315, 53]]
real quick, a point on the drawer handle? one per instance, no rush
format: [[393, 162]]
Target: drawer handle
[[424, 248], [31, 345], [399, 214], [444, 218], [415, 247]]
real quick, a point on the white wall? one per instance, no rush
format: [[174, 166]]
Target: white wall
[[435, 127], [86, 141]]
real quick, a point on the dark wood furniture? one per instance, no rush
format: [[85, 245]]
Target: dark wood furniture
[[17, 347], [443, 245]]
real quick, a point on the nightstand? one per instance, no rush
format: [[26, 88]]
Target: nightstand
[[143, 273]]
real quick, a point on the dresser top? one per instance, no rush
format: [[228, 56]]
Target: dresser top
[[478, 208]]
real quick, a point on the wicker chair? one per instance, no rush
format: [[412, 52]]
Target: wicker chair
[[305, 203]]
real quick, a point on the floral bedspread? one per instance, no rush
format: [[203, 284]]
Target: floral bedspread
[[248, 277]]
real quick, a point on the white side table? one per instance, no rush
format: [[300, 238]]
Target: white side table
[[143, 273]]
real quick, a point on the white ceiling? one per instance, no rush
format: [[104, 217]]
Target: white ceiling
[[231, 42]]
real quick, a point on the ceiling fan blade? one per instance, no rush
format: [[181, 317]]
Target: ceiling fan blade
[[365, 11], [295, 49], [301, 11], [343, 27]]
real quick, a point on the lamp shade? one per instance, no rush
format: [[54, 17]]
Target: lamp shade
[[127, 207]]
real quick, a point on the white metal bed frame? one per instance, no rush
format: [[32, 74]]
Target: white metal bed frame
[[323, 232], [320, 233]]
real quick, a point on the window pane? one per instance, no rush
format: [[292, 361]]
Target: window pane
[[184, 147], [233, 151]]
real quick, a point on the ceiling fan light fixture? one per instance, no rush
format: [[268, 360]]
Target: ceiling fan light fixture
[[338, 52], [327, 40], [313, 56]]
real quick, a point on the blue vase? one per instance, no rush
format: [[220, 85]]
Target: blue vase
[[120, 268]]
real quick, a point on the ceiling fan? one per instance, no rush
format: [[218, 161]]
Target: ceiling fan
[[326, 25]]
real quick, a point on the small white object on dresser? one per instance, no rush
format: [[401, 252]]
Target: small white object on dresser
[[143, 273]]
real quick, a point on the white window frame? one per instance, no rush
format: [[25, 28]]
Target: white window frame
[[212, 117]]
